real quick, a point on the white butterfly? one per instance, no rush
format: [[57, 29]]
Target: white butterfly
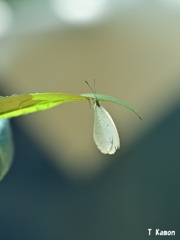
[[105, 133]]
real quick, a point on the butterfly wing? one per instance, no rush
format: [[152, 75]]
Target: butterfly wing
[[105, 133]]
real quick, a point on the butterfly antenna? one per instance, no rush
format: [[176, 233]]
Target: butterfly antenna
[[95, 86], [94, 91], [90, 87]]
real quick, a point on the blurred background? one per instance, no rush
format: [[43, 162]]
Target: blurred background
[[60, 186]]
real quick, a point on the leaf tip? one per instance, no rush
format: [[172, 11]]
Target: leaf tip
[[140, 117]]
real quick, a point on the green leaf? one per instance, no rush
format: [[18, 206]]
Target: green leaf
[[111, 99], [17, 105], [6, 147]]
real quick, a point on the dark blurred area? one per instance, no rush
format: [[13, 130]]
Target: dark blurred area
[[139, 191]]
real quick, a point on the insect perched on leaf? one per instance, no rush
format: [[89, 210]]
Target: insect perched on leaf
[[105, 133]]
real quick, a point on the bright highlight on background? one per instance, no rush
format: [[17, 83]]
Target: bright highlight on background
[[80, 11], [5, 18]]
